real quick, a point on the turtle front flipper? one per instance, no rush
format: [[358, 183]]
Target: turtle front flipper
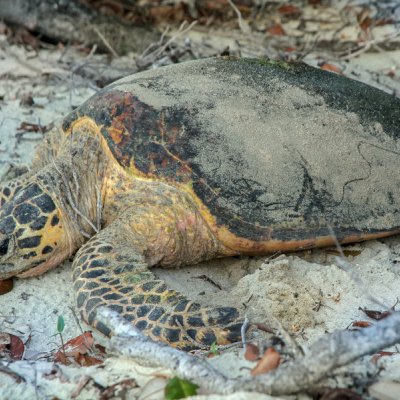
[[112, 269]]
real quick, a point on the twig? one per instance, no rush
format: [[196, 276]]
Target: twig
[[89, 348], [17, 378], [368, 44], [243, 330], [149, 57], [296, 350], [151, 46], [181, 31], [328, 353], [105, 41], [345, 266], [243, 25]]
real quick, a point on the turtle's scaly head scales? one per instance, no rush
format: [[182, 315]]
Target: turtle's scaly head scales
[[32, 238]]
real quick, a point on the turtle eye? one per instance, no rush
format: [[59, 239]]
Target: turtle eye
[[4, 246]]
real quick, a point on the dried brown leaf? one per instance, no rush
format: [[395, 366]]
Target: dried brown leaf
[[77, 351], [380, 354], [29, 127], [269, 361], [289, 9], [374, 314], [252, 352], [276, 30], [361, 324], [11, 346], [84, 360], [6, 285], [331, 68]]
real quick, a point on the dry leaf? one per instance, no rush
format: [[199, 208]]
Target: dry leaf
[[101, 349], [29, 127], [376, 315], [364, 19], [6, 285], [11, 347], [23, 36], [380, 354], [289, 9], [391, 73], [365, 24], [269, 361], [276, 30], [79, 345], [77, 349], [361, 324], [252, 352], [331, 68], [84, 360]]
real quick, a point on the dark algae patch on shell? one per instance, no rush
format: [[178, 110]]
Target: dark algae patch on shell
[[140, 134], [274, 151]]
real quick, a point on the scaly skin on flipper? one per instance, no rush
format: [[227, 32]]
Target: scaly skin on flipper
[[113, 269], [160, 226]]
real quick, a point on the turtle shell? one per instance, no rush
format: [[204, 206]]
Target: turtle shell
[[273, 151]]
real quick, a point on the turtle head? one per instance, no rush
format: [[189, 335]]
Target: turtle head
[[32, 237]]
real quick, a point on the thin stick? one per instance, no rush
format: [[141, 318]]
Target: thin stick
[[369, 44], [105, 41], [150, 57], [180, 32], [345, 266], [243, 25], [288, 339], [243, 330]]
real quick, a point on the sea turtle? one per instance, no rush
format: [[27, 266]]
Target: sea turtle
[[205, 159]]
